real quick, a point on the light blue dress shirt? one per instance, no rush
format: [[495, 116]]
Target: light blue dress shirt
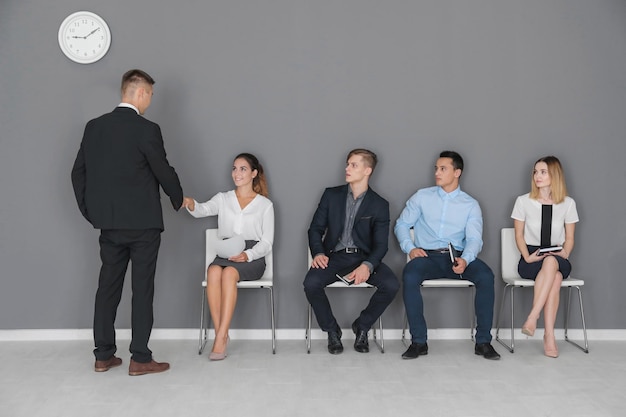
[[437, 218]]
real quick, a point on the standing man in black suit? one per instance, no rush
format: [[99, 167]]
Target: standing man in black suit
[[350, 231], [116, 177]]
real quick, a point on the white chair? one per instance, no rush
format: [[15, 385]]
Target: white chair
[[510, 259], [266, 282], [340, 284], [445, 283]]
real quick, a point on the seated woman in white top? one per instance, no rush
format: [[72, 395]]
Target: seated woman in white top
[[545, 218], [245, 214]]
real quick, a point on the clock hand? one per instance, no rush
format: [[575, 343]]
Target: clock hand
[[92, 32], [88, 35]]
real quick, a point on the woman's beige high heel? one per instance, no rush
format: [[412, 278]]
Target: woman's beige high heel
[[215, 356], [529, 329], [550, 351]]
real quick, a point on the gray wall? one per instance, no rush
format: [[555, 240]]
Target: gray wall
[[299, 83]]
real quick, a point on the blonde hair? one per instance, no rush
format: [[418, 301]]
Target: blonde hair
[[558, 188]]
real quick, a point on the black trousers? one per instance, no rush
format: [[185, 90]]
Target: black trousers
[[317, 279], [117, 247]]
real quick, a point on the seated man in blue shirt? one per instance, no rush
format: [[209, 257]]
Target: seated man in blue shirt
[[440, 215]]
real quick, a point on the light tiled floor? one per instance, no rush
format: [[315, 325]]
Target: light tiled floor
[[57, 379]]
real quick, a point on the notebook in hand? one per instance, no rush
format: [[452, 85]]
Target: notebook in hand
[[345, 273], [452, 253], [550, 249]]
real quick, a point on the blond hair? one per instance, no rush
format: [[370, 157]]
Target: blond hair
[[558, 188]]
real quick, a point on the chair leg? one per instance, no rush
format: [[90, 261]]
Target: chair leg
[[404, 328], [203, 324], [380, 345], [472, 312], [511, 347], [582, 317], [273, 319], [307, 335]]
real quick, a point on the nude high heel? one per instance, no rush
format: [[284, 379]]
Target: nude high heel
[[550, 351], [215, 356], [529, 328]]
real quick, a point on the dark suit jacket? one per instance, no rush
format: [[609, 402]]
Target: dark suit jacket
[[371, 224], [118, 170]]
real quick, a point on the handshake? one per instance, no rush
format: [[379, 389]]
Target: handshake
[[188, 203]]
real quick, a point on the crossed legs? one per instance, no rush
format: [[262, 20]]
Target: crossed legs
[[546, 297], [221, 292]]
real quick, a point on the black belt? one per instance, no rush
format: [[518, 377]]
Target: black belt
[[349, 250], [440, 250]]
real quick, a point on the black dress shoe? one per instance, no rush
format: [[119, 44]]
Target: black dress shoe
[[415, 350], [360, 343], [487, 351], [334, 343]]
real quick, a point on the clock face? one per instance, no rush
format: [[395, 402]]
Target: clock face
[[84, 37]]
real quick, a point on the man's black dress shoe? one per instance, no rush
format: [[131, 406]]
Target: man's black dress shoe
[[486, 351], [360, 343], [334, 343], [415, 350]]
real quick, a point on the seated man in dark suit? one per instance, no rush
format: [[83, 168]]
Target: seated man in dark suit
[[350, 230]]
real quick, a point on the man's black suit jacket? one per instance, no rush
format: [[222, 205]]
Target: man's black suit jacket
[[118, 170], [371, 224]]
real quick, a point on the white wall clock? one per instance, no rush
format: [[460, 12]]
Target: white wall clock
[[84, 37]]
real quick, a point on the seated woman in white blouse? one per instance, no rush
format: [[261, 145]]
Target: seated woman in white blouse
[[545, 218], [246, 213]]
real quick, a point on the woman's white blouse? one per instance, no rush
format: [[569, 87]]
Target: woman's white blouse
[[254, 222], [529, 211]]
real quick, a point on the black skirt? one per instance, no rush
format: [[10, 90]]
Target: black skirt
[[530, 270], [248, 271]]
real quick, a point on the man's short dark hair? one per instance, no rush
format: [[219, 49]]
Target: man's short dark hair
[[457, 160], [135, 76]]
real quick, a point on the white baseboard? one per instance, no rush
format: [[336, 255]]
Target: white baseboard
[[290, 334]]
